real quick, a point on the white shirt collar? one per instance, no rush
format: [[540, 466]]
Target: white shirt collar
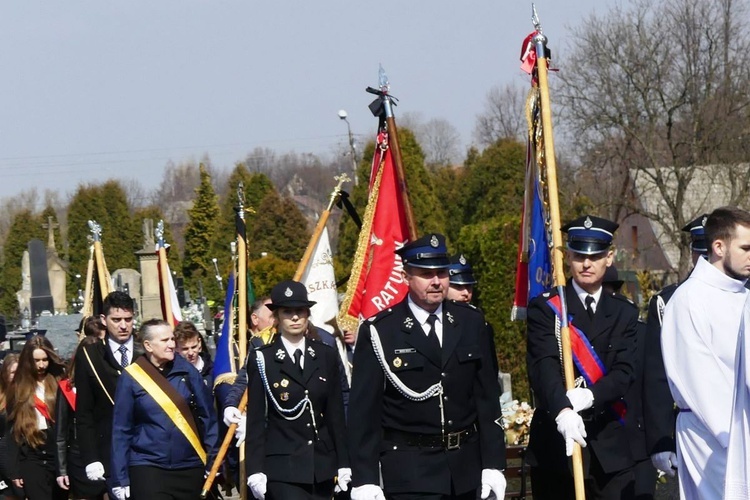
[[290, 348], [582, 294], [421, 315], [114, 346]]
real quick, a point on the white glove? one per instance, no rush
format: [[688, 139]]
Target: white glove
[[257, 483], [231, 416], [239, 433], [121, 492], [344, 477], [493, 481], [570, 425], [581, 398], [367, 492], [95, 471], [665, 461]]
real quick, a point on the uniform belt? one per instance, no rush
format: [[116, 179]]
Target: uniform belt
[[450, 441]]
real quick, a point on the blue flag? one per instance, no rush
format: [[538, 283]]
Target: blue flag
[[225, 368]]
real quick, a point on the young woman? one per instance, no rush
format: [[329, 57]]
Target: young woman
[[70, 466], [295, 441], [31, 405], [7, 372]]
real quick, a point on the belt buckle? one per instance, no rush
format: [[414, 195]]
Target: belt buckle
[[453, 441]]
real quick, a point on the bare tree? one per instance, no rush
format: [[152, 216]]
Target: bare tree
[[440, 141], [504, 116], [656, 98]]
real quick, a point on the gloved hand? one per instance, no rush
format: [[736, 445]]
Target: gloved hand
[[257, 484], [367, 492], [241, 430], [493, 481], [95, 471], [581, 398], [121, 493], [665, 461], [344, 477], [231, 416], [570, 425]]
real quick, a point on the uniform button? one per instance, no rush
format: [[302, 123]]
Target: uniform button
[[309, 442], [445, 398], [308, 425], [442, 374], [395, 447], [450, 422], [469, 354]]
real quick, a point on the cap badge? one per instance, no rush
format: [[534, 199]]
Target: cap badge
[[703, 221], [281, 354], [587, 223], [288, 292], [408, 322], [434, 241], [462, 260], [284, 396], [284, 383], [397, 362]]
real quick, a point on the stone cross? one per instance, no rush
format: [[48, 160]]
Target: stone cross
[[51, 226]]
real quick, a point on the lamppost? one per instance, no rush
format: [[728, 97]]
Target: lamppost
[[352, 146]]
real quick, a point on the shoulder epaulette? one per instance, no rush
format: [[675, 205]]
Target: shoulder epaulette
[[623, 299], [379, 316]]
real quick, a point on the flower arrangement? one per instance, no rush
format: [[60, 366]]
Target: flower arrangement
[[516, 421], [193, 313]]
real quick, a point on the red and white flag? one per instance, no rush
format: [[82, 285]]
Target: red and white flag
[[376, 282], [167, 291]]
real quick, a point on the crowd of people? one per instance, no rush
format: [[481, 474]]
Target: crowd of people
[[407, 406]]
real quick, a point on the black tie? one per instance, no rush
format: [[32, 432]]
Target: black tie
[[298, 359], [432, 334], [589, 305]]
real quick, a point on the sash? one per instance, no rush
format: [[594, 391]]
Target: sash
[[585, 358], [41, 406], [167, 397], [67, 389]]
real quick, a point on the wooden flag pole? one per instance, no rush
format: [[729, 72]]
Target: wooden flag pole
[[540, 42], [164, 274], [322, 220], [88, 296], [242, 311]]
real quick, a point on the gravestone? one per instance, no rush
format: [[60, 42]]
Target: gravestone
[[150, 304], [41, 296], [57, 269], [128, 280], [24, 294], [61, 332]]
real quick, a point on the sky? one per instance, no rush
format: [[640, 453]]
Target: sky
[[93, 90]]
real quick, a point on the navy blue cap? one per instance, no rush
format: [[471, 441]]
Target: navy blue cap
[[589, 235], [612, 278], [429, 252], [291, 294], [697, 230], [460, 272]]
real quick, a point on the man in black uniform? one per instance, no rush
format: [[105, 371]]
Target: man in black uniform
[[424, 402], [98, 367], [592, 414], [658, 406]]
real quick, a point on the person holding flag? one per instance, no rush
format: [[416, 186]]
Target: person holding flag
[[425, 401], [603, 330]]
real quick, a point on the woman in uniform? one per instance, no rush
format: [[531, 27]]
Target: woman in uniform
[[296, 440]]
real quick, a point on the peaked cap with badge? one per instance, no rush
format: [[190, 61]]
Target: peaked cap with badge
[[589, 235], [460, 271], [429, 252], [289, 293], [697, 230]]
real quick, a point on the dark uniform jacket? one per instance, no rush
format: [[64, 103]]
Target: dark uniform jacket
[[634, 422], [612, 332], [305, 450], [382, 422], [658, 405], [93, 403]]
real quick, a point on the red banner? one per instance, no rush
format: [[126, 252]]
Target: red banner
[[376, 282]]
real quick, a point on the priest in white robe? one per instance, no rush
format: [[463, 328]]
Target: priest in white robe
[[699, 345]]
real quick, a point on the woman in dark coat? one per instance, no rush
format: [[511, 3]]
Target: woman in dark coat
[[296, 440]]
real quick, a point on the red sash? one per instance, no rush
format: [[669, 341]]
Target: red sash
[[585, 358], [42, 407], [67, 389]]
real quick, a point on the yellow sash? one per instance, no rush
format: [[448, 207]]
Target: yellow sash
[[168, 406]]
